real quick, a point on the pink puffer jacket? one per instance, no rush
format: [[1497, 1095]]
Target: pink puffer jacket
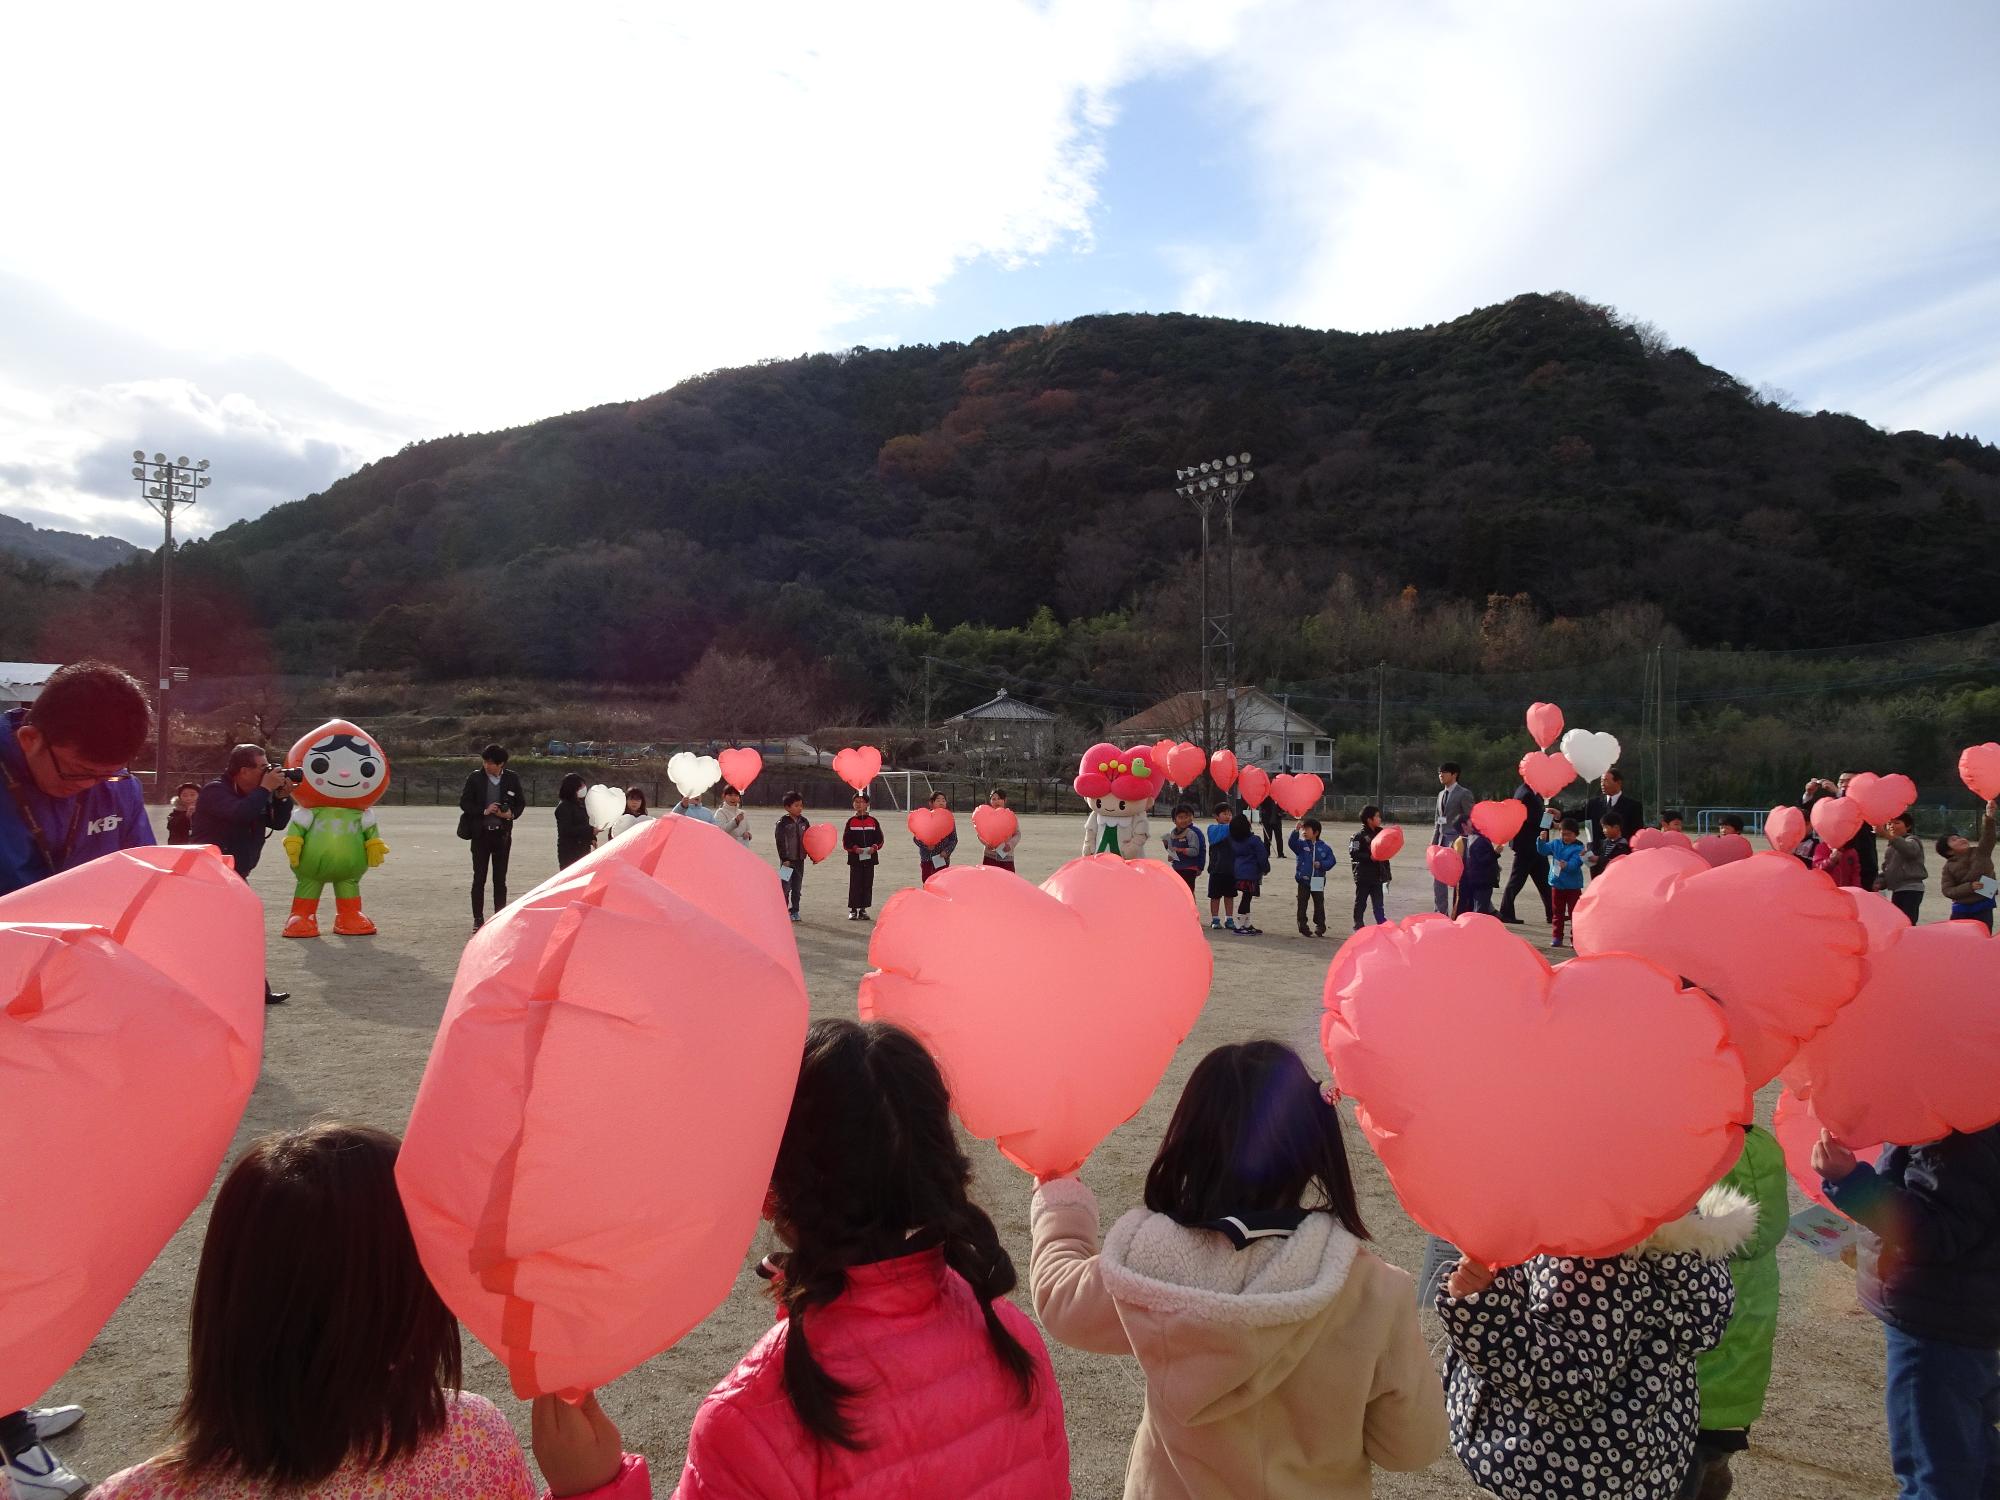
[[938, 1413]]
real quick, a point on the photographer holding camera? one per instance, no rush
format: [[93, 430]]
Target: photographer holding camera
[[238, 810]]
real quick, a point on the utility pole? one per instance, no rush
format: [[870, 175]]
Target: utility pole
[[927, 692], [166, 487], [1203, 484], [1381, 722]]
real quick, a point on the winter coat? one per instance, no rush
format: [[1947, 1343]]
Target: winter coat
[[734, 821], [1370, 873], [679, 810], [1842, 865], [1929, 1262], [1602, 858], [574, 835], [1589, 1365], [861, 837], [1523, 843], [1735, 1374], [1565, 862], [939, 853], [1482, 864], [1282, 1370], [1963, 872], [1269, 815], [1186, 849], [791, 833], [236, 822], [1249, 858], [473, 799], [180, 826], [1313, 857], [937, 1413], [1903, 864]]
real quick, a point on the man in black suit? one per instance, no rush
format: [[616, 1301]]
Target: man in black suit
[[1631, 816], [487, 808], [1529, 863]]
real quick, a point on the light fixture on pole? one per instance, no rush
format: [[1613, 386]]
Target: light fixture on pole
[[166, 487], [1204, 484]]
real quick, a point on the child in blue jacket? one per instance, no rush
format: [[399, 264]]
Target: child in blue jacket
[[1252, 862], [1565, 856], [1186, 846], [1482, 874], [1315, 858]]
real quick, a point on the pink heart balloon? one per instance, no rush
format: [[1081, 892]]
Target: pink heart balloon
[[820, 840], [994, 825], [930, 824], [1546, 774], [1499, 820], [1185, 763], [858, 767], [1447, 865], [1545, 725], [1979, 769], [1222, 767], [1836, 820], [1253, 783], [1388, 843], [1161, 750], [1660, 838], [1724, 848], [1797, 1130], [740, 767], [1784, 828], [1297, 794], [1438, 1029], [1880, 798], [1052, 1009], [1776, 945]]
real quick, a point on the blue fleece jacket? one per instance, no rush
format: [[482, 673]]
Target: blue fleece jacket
[[1565, 862], [1315, 856]]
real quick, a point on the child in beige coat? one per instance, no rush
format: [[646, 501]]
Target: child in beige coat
[[1282, 1358]]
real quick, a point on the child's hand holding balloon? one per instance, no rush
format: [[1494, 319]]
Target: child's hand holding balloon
[[1830, 1159], [1470, 1278]]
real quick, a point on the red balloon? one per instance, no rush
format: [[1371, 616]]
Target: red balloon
[[740, 767], [929, 825], [1778, 945], [1660, 838], [1297, 794], [1500, 820], [1052, 1009], [1253, 783], [1723, 848], [1916, 1054], [1387, 843], [1162, 750], [1545, 725], [820, 840], [1784, 828], [1185, 763], [1446, 864], [1979, 769], [1443, 1030], [1546, 774], [858, 767], [585, 1091], [1222, 767], [1836, 820], [1880, 798], [994, 825], [1797, 1130]]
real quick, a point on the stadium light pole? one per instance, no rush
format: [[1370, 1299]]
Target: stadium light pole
[[166, 487], [1203, 485]]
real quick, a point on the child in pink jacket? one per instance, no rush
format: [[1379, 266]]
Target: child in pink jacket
[[322, 1366], [897, 1369]]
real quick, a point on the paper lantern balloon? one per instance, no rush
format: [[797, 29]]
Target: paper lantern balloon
[[1661, 838], [1591, 753], [994, 825], [1222, 768], [693, 774], [1546, 775], [1797, 1130], [590, 1148], [929, 825], [1297, 793], [1545, 724], [740, 767], [1499, 820], [1441, 1031], [1253, 784], [1979, 769], [1447, 865], [1777, 945], [1784, 828], [858, 767], [1386, 844], [133, 1084], [1836, 820], [1052, 1009], [1880, 798], [1916, 1054], [1723, 848], [603, 804], [820, 840], [1185, 763]]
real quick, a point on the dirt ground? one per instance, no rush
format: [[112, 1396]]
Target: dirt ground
[[353, 1041]]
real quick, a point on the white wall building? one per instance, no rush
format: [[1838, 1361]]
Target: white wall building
[[1268, 732]]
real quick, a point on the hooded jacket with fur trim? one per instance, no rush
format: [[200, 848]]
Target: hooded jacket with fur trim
[[1281, 1370], [1586, 1368]]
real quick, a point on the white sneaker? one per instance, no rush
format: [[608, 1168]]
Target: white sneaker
[[53, 1421], [38, 1474]]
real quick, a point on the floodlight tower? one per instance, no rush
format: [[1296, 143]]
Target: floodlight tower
[[1204, 484], [166, 487]]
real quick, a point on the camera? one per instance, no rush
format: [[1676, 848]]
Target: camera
[[294, 775]]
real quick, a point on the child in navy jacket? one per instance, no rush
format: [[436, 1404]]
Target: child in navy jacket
[[1186, 846], [1315, 858], [1482, 874]]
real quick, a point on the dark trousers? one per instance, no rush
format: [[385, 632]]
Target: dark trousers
[[17, 1433], [1943, 1404], [1475, 898], [1527, 867], [1187, 875], [861, 885], [1245, 890], [487, 855], [1318, 905], [792, 885], [1909, 903], [1362, 896], [1271, 838]]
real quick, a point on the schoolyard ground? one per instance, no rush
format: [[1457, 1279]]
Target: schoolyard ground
[[353, 1041]]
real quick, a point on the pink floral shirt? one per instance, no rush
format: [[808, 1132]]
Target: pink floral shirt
[[476, 1455]]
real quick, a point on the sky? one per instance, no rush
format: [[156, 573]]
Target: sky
[[292, 239]]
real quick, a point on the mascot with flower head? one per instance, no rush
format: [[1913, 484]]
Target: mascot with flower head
[[332, 838], [1119, 786]]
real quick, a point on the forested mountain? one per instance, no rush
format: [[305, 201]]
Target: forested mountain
[[843, 512], [65, 549]]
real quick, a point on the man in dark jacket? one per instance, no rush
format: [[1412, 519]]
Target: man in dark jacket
[[487, 808], [1271, 823], [237, 811], [1528, 863], [1930, 1270], [1613, 798]]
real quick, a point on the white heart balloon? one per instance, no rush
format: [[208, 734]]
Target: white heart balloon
[[693, 774], [602, 804], [1591, 753]]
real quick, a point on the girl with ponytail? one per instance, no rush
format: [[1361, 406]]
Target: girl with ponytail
[[897, 1366]]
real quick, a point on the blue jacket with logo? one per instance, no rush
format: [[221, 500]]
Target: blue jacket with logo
[[1315, 856], [98, 820]]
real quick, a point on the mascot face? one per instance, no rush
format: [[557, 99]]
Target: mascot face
[[344, 766], [1118, 783]]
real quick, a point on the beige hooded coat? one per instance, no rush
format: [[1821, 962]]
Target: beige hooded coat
[[1277, 1372]]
